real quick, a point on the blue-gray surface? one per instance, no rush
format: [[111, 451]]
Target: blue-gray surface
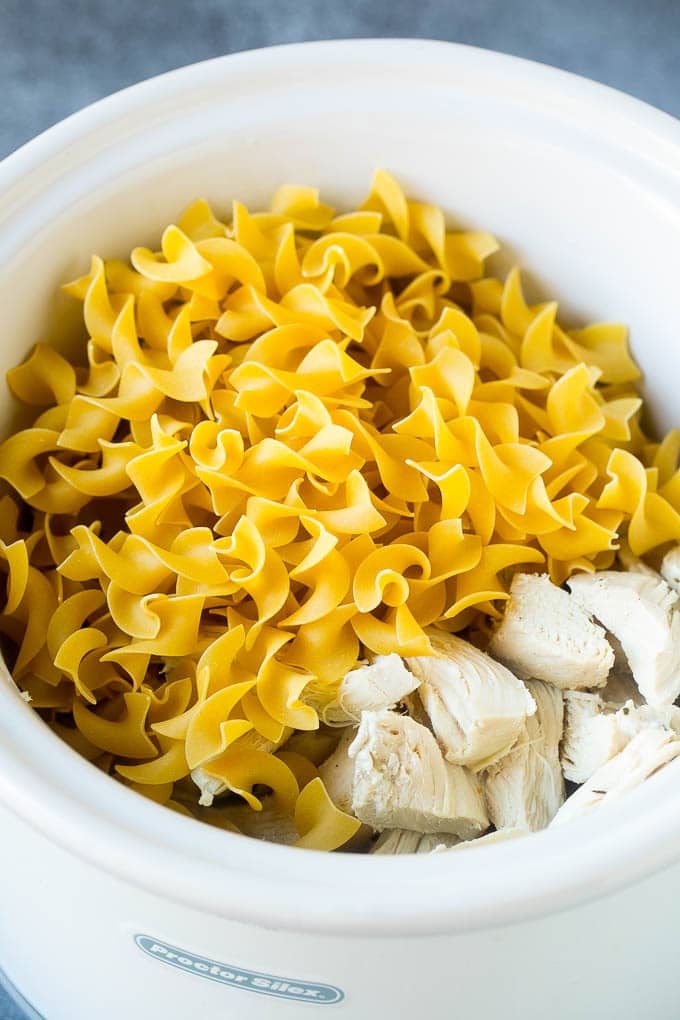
[[57, 56]]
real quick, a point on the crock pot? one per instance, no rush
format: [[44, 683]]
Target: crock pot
[[113, 906]]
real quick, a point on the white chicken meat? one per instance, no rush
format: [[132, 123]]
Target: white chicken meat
[[402, 781], [640, 611], [525, 789], [646, 753], [546, 635], [337, 773], [404, 841], [476, 706], [596, 730], [670, 568], [380, 683], [497, 836]]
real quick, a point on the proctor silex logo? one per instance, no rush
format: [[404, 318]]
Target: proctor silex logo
[[237, 977]]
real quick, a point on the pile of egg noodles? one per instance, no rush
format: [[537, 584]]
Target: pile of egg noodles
[[297, 438]]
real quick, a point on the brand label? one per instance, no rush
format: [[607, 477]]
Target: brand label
[[237, 977]]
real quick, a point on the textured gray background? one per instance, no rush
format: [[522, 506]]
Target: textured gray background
[[56, 56]]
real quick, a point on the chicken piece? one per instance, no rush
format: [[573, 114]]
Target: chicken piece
[[337, 773], [381, 683], [526, 789], [591, 735], [546, 635], [639, 611], [435, 842], [476, 706], [497, 836], [596, 730], [209, 787], [620, 686], [397, 841], [403, 841], [414, 708], [646, 753], [402, 781], [670, 568]]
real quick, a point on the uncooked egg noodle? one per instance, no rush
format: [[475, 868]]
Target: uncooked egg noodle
[[297, 439]]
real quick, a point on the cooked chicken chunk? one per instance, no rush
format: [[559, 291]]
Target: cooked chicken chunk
[[640, 611], [402, 781], [413, 706], [209, 787], [670, 568], [381, 683], [403, 841], [476, 706], [435, 842], [337, 773], [596, 730], [525, 788], [591, 735], [546, 635], [620, 686], [646, 753]]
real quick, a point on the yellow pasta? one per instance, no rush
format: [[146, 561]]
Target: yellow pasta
[[296, 438]]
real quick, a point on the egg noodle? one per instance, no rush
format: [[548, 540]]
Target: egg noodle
[[298, 438]]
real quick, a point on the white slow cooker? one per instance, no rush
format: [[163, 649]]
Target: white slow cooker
[[111, 906]]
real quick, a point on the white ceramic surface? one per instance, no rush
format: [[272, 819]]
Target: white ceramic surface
[[582, 185]]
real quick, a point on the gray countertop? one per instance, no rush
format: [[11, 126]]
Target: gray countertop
[[59, 56]]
